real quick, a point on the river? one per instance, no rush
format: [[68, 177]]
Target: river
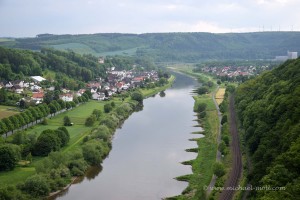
[[147, 151]]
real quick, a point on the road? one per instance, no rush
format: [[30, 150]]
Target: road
[[236, 168]]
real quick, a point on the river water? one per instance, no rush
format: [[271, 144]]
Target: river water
[[147, 151]]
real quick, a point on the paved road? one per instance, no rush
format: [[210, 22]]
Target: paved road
[[236, 169]]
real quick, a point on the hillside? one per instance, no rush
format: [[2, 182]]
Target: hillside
[[269, 111], [169, 47]]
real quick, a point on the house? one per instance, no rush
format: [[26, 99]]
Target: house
[[98, 96], [38, 96], [8, 85], [80, 92], [66, 97], [17, 89], [37, 79]]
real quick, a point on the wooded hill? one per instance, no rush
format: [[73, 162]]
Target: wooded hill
[[269, 111], [67, 68], [170, 47]]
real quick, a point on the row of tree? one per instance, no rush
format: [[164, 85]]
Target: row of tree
[[33, 114]]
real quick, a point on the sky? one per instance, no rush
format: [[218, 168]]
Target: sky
[[27, 18]]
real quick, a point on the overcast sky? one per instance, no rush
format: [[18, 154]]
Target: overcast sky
[[26, 18]]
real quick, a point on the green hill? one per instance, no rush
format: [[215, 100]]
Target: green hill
[[169, 47], [269, 111]]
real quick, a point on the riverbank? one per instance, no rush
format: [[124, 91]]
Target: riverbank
[[202, 166], [80, 134]]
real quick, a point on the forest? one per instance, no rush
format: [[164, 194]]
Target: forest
[[269, 112], [169, 47]]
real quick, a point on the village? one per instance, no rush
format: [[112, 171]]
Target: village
[[101, 89], [234, 71]]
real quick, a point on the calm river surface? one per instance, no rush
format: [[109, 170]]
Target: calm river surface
[[147, 151]]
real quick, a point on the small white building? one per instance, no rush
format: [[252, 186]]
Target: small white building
[[66, 97], [38, 78]]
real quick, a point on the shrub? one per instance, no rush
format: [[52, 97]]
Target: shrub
[[219, 169], [36, 186]]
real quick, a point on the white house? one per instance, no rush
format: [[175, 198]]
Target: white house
[[38, 78], [66, 97]]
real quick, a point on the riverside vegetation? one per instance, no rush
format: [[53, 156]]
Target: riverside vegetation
[[70, 150]]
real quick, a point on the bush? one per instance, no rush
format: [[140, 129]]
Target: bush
[[36, 186], [219, 169]]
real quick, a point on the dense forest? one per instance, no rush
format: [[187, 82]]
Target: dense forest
[[169, 47], [269, 111]]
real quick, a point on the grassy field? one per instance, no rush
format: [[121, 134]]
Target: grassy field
[[220, 95], [6, 111]]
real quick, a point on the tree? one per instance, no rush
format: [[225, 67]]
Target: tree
[[21, 120], [107, 108], [92, 153], [97, 113], [88, 93], [3, 128], [47, 141], [61, 103], [219, 169], [19, 137], [67, 121], [9, 156], [201, 107], [36, 186], [68, 105], [63, 136], [3, 95], [90, 120], [202, 90], [52, 108], [9, 125], [224, 119], [137, 96], [25, 117], [14, 121]]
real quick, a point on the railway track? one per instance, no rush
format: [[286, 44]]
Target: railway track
[[235, 173]]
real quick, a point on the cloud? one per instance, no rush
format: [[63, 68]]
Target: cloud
[[31, 17]]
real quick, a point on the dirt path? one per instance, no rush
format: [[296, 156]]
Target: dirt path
[[218, 156], [236, 169]]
